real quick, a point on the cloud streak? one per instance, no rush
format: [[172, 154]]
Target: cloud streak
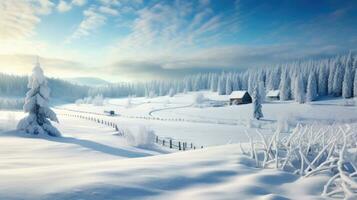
[[18, 19], [91, 22], [217, 59], [170, 28]]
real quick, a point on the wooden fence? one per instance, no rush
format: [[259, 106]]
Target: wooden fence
[[174, 144], [165, 142]]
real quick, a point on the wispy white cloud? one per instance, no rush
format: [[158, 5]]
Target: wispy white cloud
[[42, 7], [63, 6], [91, 22], [108, 10], [166, 29], [204, 2], [79, 2], [17, 19], [110, 2]]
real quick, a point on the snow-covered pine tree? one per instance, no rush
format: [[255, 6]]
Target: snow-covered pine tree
[[311, 93], [36, 104], [214, 83], [332, 69], [299, 91], [229, 85], [172, 92], [262, 91], [188, 87], [355, 81], [338, 78], [284, 87], [347, 85], [257, 103], [322, 82], [221, 86]]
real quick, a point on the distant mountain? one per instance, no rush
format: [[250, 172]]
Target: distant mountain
[[89, 81]]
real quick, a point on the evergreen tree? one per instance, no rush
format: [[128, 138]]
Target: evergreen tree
[[299, 92], [257, 103], [229, 85], [311, 93], [322, 86], [285, 90], [36, 104], [221, 86], [214, 83], [355, 82], [332, 69], [347, 86], [338, 79]]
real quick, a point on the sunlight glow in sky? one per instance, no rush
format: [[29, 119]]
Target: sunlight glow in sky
[[124, 40]]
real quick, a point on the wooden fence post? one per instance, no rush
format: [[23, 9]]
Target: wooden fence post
[[157, 139], [163, 142], [170, 143], [179, 146]]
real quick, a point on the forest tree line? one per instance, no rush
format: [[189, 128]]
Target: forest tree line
[[300, 81]]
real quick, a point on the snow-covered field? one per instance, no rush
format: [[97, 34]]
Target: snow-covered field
[[91, 161], [179, 117]]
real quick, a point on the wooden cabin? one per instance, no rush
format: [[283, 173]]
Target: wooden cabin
[[240, 97], [273, 95]]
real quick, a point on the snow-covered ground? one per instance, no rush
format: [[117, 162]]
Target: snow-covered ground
[[91, 161], [206, 125]]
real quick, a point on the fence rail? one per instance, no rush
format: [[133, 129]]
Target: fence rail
[[174, 144], [163, 141]]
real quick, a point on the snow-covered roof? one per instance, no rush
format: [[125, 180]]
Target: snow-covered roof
[[273, 93], [237, 94]]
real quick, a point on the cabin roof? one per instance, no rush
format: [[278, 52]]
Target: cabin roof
[[273, 93], [237, 94]]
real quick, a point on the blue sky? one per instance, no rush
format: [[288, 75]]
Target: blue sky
[[126, 40]]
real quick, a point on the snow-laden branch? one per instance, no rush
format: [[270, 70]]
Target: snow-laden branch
[[313, 149]]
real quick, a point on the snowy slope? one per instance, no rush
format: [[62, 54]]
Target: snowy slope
[[89, 163], [92, 162]]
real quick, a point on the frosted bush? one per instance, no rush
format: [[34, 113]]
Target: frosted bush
[[11, 104], [199, 98], [313, 149], [9, 123], [128, 102], [349, 102], [172, 92], [98, 100], [79, 102], [152, 94], [88, 100], [142, 137], [282, 124]]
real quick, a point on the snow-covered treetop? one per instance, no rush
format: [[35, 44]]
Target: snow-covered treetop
[[37, 78]]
